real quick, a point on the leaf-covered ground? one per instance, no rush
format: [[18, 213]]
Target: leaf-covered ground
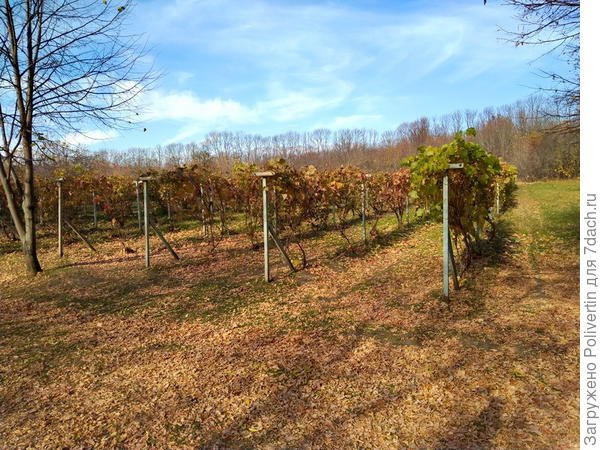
[[353, 352]]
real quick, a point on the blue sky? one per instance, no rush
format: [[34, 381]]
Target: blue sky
[[272, 66]]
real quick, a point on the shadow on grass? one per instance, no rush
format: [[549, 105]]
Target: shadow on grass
[[107, 292], [270, 421], [563, 224], [105, 296], [318, 231], [481, 429], [99, 262], [381, 240], [9, 247], [288, 402], [217, 298], [38, 357], [495, 250], [385, 335]]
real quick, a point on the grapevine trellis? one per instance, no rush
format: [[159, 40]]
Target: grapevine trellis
[[300, 200], [63, 221], [149, 223], [482, 188]]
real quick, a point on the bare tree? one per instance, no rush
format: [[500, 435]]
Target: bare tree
[[320, 139], [554, 24], [65, 66], [419, 132]]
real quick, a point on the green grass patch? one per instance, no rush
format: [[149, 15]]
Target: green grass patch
[[547, 216]]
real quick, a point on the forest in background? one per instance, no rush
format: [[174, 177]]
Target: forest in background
[[522, 133]]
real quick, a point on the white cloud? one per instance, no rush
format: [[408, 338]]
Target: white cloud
[[269, 65], [90, 137], [187, 106], [193, 116], [315, 41], [187, 133], [284, 105]]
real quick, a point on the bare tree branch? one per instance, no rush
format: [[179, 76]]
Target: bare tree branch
[[65, 66], [553, 23]]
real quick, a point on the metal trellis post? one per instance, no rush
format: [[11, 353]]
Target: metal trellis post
[[264, 176], [146, 222], [445, 239], [139, 209]]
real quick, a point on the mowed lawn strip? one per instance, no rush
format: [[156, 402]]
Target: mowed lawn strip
[[355, 351]]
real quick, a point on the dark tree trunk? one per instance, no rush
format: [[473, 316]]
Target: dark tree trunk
[[28, 241]]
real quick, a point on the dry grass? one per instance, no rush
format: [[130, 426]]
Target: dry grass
[[354, 352]]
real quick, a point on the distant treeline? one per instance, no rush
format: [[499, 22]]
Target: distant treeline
[[521, 133]]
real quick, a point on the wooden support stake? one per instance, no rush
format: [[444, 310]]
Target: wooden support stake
[[164, 241], [497, 195], [274, 212], [453, 265], [80, 236], [364, 212], [281, 249], [204, 216], [95, 210], [60, 219], [446, 249]]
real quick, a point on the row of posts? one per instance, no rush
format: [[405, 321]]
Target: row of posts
[[267, 231], [448, 260], [144, 182], [267, 234], [147, 224]]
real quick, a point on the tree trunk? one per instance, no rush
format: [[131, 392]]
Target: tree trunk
[[28, 241], [29, 250]]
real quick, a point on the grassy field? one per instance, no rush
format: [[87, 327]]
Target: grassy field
[[356, 351]]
